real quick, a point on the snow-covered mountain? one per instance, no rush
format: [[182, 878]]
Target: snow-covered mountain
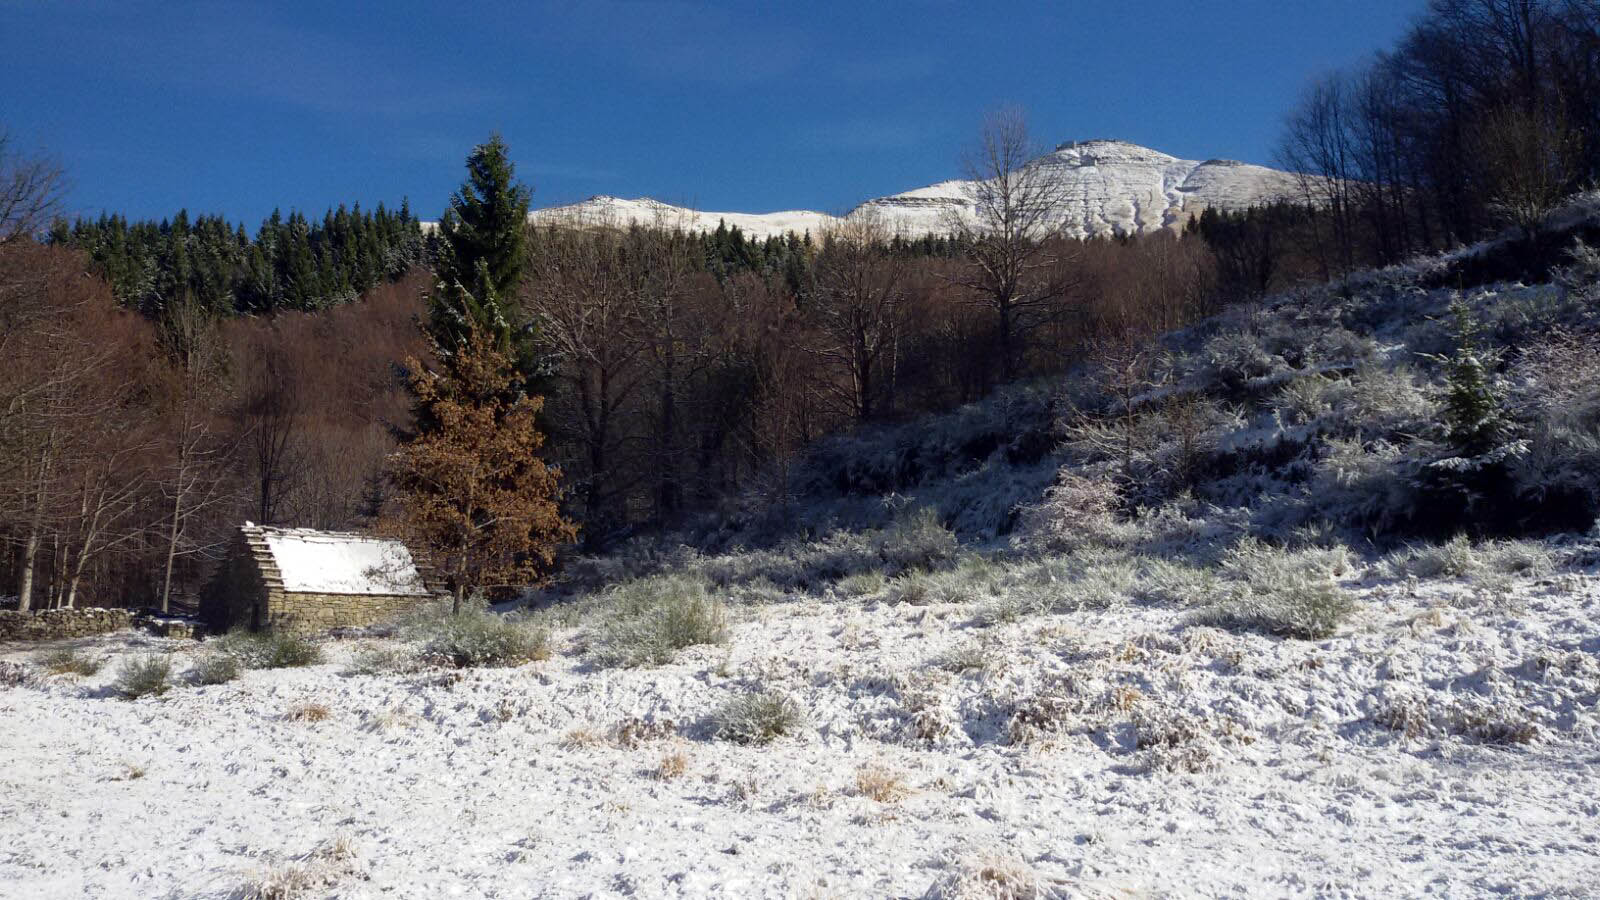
[[1108, 188], [620, 212]]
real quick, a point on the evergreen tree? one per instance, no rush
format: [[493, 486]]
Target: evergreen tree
[[482, 257], [474, 495], [1474, 419]]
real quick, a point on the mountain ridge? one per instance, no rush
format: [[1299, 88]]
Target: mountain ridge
[[1109, 187]]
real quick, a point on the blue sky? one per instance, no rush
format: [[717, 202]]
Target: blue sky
[[239, 108]]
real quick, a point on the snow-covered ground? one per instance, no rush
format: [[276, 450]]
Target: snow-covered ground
[[1443, 744]]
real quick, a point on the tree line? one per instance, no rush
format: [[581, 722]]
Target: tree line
[[1485, 115], [291, 263], [579, 381]]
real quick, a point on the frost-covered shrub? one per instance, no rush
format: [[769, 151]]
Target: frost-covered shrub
[[1415, 714], [70, 662], [479, 637], [1077, 509], [15, 674], [918, 542], [145, 676], [1176, 583], [1558, 396], [1289, 593], [965, 659], [215, 668], [757, 718], [1460, 558], [269, 650], [646, 622], [915, 589], [1054, 708], [861, 584], [1375, 402], [972, 579], [1100, 584], [1234, 358], [1174, 741], [1367, 486], [1199, 532], [383, 661]]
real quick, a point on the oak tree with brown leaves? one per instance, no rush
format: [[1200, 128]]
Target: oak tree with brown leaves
[[474, 497]]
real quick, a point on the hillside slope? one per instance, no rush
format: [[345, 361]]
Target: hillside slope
[[1222, 641]]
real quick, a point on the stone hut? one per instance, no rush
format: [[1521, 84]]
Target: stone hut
[[298, 579]]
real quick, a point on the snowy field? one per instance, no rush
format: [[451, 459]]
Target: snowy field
[[1442, 744]]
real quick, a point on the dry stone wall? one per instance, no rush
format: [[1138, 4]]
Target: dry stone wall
[[303, 612], [58, 624]]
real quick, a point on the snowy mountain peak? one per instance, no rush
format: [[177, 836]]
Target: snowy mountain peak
[[1108, 187]]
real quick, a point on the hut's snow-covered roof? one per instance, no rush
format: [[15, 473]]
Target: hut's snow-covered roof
[[330, 562]]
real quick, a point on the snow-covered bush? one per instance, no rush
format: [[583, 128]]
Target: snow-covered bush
[[1177, 583], [1375, 402], [1232, 359], [1174, 741], [915, 589], [69, 662], [1372, 487], [881, 784], [861, 584], [1414, 713], [1076, 510], [477, 637], [215, 668], [270, 649], [1460, 558], [1282, 592], [144, 676], [917, 542], [645, 622], [757, 718], [972, 579], [15, 674], [965, 658], [374, 660], [1558, 396]]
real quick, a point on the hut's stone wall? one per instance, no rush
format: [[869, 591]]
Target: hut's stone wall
[[304, 612]]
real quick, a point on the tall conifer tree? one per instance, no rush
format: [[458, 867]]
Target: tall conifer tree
[[481, 266]]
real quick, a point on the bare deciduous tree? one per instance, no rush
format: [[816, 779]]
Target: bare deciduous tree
[[1527, 161], [1015, 268], [31, 188], [587, 294], [858, 294], [1318, 149]]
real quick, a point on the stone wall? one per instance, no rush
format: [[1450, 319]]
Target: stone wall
[[298, 612], [57, 624]]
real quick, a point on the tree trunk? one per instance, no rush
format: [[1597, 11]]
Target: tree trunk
[[172, 550], [30, 552]]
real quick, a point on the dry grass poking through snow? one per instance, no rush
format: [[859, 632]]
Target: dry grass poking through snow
[[673, 764], [314, 874], [882, 784], [308, 712], [988, 876]]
